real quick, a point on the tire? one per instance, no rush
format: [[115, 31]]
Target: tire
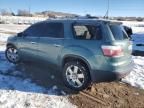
[[76, 75], [11, 54]]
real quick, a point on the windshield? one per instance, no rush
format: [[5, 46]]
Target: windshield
[[118, 32]]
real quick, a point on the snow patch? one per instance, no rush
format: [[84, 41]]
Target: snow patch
[[136, 77], [18, 91], [19, 99], [4, 37]]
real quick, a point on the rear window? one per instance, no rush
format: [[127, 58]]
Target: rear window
[[118, 32]]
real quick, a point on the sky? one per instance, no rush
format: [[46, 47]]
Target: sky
[[81, 7]]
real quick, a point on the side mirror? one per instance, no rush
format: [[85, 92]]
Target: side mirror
[[20, 34]]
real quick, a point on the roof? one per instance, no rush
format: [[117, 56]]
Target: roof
[[83, 20]]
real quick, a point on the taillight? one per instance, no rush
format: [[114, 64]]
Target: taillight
[[112, 51]]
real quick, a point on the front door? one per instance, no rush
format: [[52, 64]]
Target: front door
[[51, 42], [28, 43], [28, 47]]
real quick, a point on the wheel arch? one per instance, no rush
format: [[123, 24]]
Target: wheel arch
[[10, 44]]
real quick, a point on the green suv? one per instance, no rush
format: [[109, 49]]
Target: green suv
[[83, 50]]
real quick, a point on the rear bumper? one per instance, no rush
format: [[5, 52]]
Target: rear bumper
[[107, 76]]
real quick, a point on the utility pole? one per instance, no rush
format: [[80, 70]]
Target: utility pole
[[107, 12], [29, 8], [108, 9]]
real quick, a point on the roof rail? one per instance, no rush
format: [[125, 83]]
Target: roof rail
[[76, 17]]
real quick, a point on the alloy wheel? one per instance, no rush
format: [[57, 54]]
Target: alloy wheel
[[75, 76], [12, 54]]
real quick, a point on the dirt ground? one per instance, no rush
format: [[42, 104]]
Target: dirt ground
[[114, 95]]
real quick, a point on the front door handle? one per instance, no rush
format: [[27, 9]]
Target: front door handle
[[56, 45], [33, 42]]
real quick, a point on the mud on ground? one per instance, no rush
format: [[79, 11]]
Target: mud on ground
[[114, 95]]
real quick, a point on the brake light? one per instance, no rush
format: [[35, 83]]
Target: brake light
[[112, 51]]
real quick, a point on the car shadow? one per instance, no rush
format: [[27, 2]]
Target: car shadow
[[45, 76], [21, 76], [16, 77]]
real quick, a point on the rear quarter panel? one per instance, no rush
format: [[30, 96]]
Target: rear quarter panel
[[90, 50], [117, 63]]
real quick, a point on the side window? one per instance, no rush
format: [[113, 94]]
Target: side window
[[35, 30], [82, 32], [87, 32], [45, 29], [55, 30]]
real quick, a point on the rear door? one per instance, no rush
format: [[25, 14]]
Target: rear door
[[51, 42]]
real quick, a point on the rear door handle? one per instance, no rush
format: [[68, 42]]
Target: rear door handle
[[56, 45]]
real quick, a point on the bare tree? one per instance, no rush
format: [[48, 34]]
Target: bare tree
[[23, 13], [5, 12]]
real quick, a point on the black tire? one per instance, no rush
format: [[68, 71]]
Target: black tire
[[83, 69], [10, 60]]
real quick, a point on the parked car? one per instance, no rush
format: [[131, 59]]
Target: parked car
[[128, 31], [84, 50]]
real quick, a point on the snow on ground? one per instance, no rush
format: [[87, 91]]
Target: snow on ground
[[18, 91], [136, 77], [14, 28], [20, 19], [18, 99], [138, 30], [133, 23], [4, 37]]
